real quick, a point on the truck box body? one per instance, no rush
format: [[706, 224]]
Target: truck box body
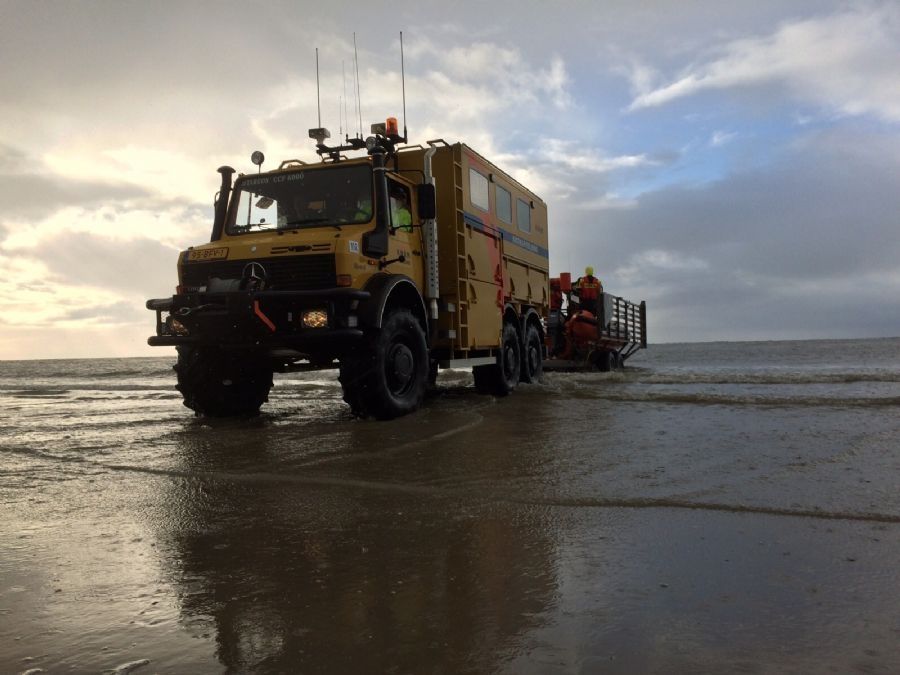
[[492, 242]]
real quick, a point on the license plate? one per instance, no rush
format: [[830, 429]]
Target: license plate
[[207, 254]]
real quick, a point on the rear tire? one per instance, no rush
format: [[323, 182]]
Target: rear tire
[[502, 377], [221, 383], [386, 377], [604, 361], [533, 355]]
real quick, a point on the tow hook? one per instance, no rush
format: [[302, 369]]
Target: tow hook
[[187, 311]]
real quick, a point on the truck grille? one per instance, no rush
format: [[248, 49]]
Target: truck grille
[[294, 273]]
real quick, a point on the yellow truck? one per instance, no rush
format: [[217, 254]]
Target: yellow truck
[[384, 261]]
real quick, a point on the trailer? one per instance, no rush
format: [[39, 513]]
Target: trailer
[[603, 339]]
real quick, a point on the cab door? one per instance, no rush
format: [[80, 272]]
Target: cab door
[[406, 231]]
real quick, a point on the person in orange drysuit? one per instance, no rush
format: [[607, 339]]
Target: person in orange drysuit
[[589, 289]]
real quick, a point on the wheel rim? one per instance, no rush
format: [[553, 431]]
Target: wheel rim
[[510, 360], [533, 359], [401, 368]]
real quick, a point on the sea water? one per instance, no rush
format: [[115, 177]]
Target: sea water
[[716, 506]]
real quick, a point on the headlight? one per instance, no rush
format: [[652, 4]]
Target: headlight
[[176, 327], [315, 318]]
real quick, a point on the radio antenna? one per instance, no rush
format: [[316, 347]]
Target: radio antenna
[[358, 102], [344, 107], [318, 100], [403, 85]]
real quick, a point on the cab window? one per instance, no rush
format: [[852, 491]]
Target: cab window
[[401, 213]]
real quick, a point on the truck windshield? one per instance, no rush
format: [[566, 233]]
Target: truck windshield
[[310, 197]]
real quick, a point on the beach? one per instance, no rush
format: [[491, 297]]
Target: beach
[[713, 507]]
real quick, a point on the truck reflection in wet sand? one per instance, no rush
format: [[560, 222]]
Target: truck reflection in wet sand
[[311, 571]]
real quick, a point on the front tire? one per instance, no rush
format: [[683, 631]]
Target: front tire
[[220, 383], [386, 377]]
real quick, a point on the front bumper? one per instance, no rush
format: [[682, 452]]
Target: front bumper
[[258, 319]]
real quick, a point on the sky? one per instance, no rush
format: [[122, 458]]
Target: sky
[[736, 165]]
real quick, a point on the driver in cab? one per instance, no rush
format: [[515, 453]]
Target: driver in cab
[[401, 218]]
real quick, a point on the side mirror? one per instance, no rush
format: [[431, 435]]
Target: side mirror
[[375, 243], [426, 201]]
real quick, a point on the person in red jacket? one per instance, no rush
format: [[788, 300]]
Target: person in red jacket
[[589, 289]]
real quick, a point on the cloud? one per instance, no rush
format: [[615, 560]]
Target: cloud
[[141, 267], [805, 247], [720, 138], [846, 62], [32, 296], [572, 155], [112, 138], [30, 190], [117, 312]]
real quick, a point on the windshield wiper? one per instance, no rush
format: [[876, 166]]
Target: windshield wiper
[[304, 221]]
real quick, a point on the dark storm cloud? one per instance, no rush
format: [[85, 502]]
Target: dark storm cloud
[[54, 47], [29, 189], [827, 208], [806, 244], [139, 267], [37, 196], [11, 159], [117, 312]]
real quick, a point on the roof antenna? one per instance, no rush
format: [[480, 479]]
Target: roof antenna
[[358, 102], [344, 106], [403, 84], [319, 134], [318, 101]]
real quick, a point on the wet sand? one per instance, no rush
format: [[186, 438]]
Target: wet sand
[[594, 523]]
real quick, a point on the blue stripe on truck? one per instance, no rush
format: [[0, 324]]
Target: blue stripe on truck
[[506, 235]]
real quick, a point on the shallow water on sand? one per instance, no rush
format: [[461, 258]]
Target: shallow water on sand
[[713, 507]]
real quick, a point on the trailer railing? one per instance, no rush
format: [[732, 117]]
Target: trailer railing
[[624, 321]]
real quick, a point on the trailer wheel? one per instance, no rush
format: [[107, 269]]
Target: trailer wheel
[[533, 355], [604, 361], [502, 377], [386, 378], [220, 383]]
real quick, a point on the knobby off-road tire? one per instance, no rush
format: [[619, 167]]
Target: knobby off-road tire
[[502, 377], [386, 376], [220, 383], [532, 355]]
